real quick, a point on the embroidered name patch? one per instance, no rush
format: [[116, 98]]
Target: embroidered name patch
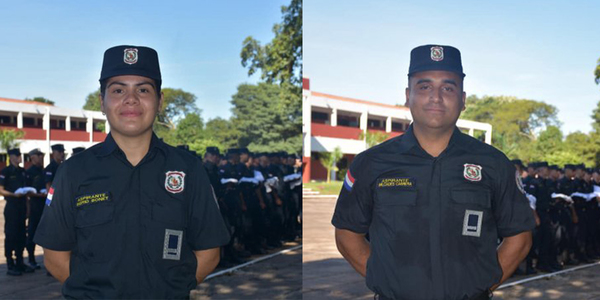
[[172, 245], [472, 223], [174, 181], [93, 198], [406, 182]]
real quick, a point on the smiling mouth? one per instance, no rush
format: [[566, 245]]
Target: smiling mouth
[[131, 114]]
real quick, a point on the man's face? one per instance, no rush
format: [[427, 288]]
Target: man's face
[[554, 174], [264, 161], [435, 98], [58, 156], [244, 157], [568, 173], [15, 160], [37, 159], [543, 172], [130, 103]]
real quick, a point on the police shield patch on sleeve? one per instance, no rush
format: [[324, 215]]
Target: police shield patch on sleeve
[[472, 223], [172, 245]]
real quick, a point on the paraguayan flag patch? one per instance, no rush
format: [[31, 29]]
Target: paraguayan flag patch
[[49, 197], [348, 181]]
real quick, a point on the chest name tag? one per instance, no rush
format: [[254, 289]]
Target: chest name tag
[[472, 223], [405, 182], [172, 245], [91, 199]]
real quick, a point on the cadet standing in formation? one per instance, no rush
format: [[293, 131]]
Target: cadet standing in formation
[[259, 196], [12, 179], [35, 179], [568, 205], [434, 201], [131, 217]]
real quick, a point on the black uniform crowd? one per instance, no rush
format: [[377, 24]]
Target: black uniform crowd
[[566, 205], [259, 196]]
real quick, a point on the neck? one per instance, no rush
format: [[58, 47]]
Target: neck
[[135, 148], [434, 142]]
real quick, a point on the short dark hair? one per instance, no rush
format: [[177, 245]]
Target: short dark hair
[[103, 87]]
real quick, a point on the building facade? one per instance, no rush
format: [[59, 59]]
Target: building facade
[[44, 125], [330, 121]]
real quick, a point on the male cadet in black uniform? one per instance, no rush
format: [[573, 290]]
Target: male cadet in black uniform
[[131, 217], [12, 178], [56, 158], [35, 179], [567, 216], [434, 201]]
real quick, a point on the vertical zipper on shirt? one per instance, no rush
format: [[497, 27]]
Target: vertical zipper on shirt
[[436, 229]]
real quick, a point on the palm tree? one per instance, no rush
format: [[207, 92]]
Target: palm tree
[[329, 160]]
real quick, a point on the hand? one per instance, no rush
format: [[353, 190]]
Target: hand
[[278, 202], [262, 205]]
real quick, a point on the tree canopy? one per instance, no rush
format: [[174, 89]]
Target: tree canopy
[[41, 100]]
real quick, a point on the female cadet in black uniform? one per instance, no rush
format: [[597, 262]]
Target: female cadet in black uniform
[[434, 201], [131, 217]]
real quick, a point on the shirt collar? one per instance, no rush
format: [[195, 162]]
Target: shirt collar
[[109, 145], [409, 140]]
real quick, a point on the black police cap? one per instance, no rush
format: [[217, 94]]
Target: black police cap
[[517, 162], [183, 147], [78, 149], [244, 151], [580, 167], [213, 150], [569, 166], [58, 147], [553, 167], [131, 60], [14, 151], [435, 58]]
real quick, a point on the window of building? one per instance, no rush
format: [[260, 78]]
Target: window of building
[[7, 120], [399, 126], [78, 125], [348, 121], [57, 124], [319, 117], [375, 124]]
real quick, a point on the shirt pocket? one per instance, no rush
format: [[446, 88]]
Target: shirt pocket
[[95, 230], [471, 215], [169, 213], [396, 210]]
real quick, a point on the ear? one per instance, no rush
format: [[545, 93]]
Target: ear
[[464, 101], [101, 103], [160, 102], [406, 94]]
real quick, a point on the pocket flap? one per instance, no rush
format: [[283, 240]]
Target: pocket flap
[[477, 197], [397, 197], [94, 215]]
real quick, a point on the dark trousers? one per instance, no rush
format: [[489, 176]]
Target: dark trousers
[[36, 208], [547, 242], [15, 213]]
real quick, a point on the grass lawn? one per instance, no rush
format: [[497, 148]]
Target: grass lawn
[[332, 188]]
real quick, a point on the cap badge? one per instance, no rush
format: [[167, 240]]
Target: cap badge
[[131, 56], [174, 181], [472, 172], [437, 53]]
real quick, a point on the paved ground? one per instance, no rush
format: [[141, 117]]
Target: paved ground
[[277, 278], [326, 275]]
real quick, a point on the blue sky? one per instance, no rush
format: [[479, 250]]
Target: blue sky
[[54, 49], [540, 50]]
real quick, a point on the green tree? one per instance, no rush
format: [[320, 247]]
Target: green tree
[[262, 127], [92, 101], [177, 104], [329, 160], [41, 100], [373, 138], [8, 138], [223, 132], [515, 122], [581, 146], [280, 60], [189, 129]]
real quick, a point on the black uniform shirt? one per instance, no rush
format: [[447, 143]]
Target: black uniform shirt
[[132, 230], [36, 179], [12, 178], [50, 170], [213, 176], [433, 223]]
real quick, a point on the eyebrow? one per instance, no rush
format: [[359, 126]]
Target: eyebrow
[[425, 80], [137, 84]]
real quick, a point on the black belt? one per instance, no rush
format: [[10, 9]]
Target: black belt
[[485, 295]]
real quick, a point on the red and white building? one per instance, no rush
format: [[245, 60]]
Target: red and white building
[[45, 125], [330, 121]]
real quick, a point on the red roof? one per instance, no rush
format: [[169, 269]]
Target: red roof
[[23, 101], [358, 101]]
